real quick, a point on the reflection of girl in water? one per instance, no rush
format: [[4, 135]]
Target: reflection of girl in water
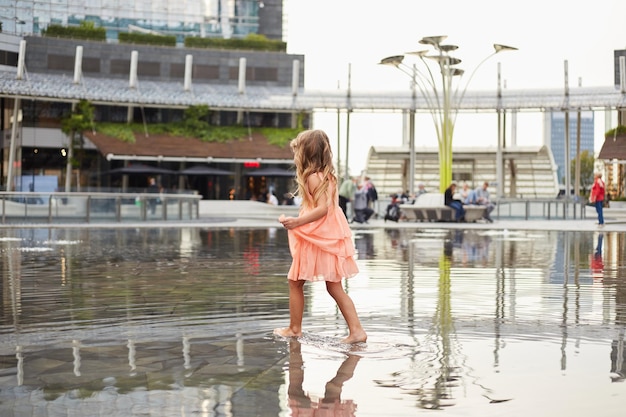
[[301, 404]]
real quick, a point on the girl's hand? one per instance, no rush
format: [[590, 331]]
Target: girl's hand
[[288, 222]]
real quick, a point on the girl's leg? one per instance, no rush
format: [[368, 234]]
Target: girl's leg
[[343, 300], [296, 310]]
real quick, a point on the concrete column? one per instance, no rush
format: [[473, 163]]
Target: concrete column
[[78, 64], [188, 71]]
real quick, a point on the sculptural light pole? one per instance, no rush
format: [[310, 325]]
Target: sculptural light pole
[[443, 96]]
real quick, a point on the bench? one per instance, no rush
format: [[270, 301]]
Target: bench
[[474, 212], [430, 207]]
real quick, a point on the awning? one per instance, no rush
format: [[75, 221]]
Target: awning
[[613, 148], [139, 169], [271, 172], [163, 148], [204, 170]]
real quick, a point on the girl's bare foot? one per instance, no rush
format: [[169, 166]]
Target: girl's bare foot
[[356, 337], [286, 332]]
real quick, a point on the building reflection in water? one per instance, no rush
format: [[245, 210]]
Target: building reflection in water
[[440, 373], [186, 284], [440, 369], [612, 280]]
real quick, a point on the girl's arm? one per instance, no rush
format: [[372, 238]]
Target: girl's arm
[[320, 210]]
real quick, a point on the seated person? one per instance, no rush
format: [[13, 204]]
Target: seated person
[[482, 199], [421, 189], [405, 198], [468, 196], [457, 205]]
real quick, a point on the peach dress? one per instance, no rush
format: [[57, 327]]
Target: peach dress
[[323, 250]]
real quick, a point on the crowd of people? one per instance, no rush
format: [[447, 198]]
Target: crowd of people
[[452, 198], [357, 197]]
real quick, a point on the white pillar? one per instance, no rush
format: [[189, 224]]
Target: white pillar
[[16, 117], [20, 60], [188, 71], [295, 84], [132, 81], [295, 77], [78, 62], [242, 75], [622, 83]]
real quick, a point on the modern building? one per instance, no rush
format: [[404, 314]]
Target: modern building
[[156, 70], [42, 147], [208, 18], [554, 138]]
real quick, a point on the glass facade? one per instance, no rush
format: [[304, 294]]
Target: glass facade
[[203, 18], [557, 137]]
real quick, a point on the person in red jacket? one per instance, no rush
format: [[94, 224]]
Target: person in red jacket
[[597, 196]]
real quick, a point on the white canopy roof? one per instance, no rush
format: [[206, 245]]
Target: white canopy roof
[[115, 91]]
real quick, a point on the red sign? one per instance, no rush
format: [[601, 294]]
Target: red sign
[[251, 164]]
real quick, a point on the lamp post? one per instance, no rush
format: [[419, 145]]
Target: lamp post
[[443, 96]]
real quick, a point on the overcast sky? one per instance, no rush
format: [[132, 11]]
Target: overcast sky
[[337, 34]]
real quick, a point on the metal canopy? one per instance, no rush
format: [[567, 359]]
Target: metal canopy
[[116, 92]]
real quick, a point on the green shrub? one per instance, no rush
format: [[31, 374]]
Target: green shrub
[[121, 131], [147, 39], [195, 129], [87, 30], [253, 42], [619, 130]]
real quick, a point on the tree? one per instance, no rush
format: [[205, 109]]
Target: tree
[[73, 125], [586, 169]]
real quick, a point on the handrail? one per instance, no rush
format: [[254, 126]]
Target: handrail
[[541, 208], [97, 206], [526, 208]]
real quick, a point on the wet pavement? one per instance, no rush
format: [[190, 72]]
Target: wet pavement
[[503, 319]]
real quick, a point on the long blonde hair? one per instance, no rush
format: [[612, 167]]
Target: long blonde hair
[[312, 154]]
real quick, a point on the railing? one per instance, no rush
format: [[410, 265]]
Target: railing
[[59, 207], [527, 209], [540, 209]]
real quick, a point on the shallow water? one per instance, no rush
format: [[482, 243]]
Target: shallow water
[[170, 322]]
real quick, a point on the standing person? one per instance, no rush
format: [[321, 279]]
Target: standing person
[[457, 205], [372, 193], [597, 196], [320, 239], [152, 188], [362, 212], [483, 199], [346, 194]]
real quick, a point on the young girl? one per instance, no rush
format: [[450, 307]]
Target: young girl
[[320, 239]]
